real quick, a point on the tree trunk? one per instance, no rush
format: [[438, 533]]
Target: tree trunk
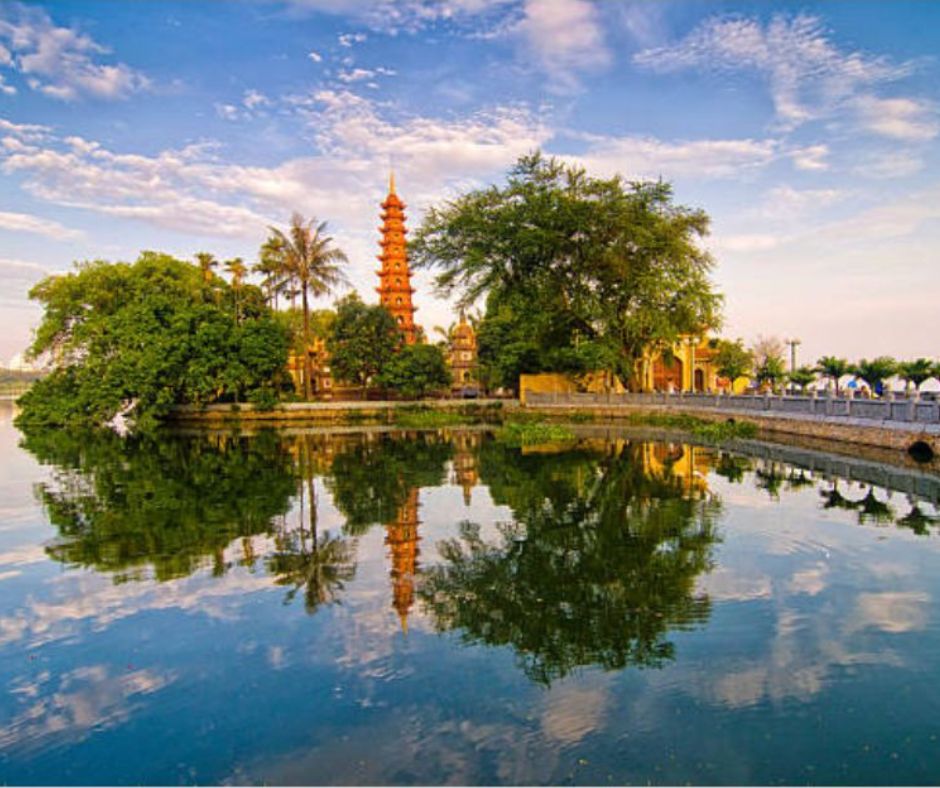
[[308, 367]]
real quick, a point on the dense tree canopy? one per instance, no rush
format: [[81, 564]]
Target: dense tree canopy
[[362, 340], [416, 371], [146, 336], [577, 271]]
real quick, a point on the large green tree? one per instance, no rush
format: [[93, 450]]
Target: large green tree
[[312, 263], [416, 371], [141, 337], [362, 341], [589, 269]]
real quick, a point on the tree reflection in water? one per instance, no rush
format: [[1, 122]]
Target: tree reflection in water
[[163, 502], [598, 564]]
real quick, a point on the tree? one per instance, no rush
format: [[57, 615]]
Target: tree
[[769, 366], [415, 371], [363, 341], [577, 260], [142, 338], [875, 372], [311, 261], [271, 267], [206, 262], [833, 368], [237, 270], [733, 361], [582, 574], [802, 376], [916, 372]]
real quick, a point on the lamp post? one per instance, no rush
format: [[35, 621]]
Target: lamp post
[[793, 343]]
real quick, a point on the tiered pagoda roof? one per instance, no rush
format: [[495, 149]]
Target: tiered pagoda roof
[[395, 288]]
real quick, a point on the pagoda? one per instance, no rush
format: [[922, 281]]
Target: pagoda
[[395, 288], [402, 539]]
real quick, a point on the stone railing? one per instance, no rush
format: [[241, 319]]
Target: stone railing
[[909, 410]]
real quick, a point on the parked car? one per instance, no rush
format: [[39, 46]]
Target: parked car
[[469, 392]]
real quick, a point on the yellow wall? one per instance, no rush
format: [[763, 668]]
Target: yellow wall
[[558, 383]]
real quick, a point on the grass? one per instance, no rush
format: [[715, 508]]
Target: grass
[[700, 428], [424, 417], [529, 429]]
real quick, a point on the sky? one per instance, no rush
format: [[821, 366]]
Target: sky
[[808, 132]]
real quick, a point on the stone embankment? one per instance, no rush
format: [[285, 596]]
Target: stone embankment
[[910, 425]]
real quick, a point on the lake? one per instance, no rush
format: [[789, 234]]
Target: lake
[[388, 607]]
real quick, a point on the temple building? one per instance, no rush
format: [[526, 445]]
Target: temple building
[[401, 536], [688, 366], [462, 356], [395, 290]]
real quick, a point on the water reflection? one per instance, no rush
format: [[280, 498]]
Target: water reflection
[[596, 563]]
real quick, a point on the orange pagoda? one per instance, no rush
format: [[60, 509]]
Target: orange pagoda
[[402, 539], [395, 288]]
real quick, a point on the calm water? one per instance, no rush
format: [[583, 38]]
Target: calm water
[[438, 608]]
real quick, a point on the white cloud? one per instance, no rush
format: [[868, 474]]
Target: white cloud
[[316, 57], [785, 202], [61, 62], [809, 76], [566, 38], [890, 164], [27, 223], [350, 39], [355, 75], [254, 99], [648, 157], [909, 120], [811, 158], [755, 242]]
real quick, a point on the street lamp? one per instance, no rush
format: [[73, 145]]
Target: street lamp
[[793, 343]]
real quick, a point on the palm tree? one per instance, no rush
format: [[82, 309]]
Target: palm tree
[[310, 261], [833, 368], [916, 372], [206, 262], [237, 268], [876, 371], [270, 266]]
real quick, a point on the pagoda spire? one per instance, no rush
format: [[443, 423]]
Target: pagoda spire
[[402, 539], [395, 290]]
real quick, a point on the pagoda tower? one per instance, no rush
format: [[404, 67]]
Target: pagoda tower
[[402, 539], [395, 288]]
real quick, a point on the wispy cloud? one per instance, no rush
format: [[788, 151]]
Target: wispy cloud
[[60, 62], [808, 74], [27, 223]]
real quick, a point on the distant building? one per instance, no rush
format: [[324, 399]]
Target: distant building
[[395, 290], [462, 356]]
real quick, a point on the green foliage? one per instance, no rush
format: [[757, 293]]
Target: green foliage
[[416, 371], [802, 376], [370, 480], [733, 360], [700, 428], [579, 272], [833, 368], [304, 260], [876, 371], [521, 433], [144, 337], [916, 372], [363, 341], [597, 565], [159, 502], [772, 370]]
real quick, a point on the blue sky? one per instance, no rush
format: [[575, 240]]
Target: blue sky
[[807, 131]]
